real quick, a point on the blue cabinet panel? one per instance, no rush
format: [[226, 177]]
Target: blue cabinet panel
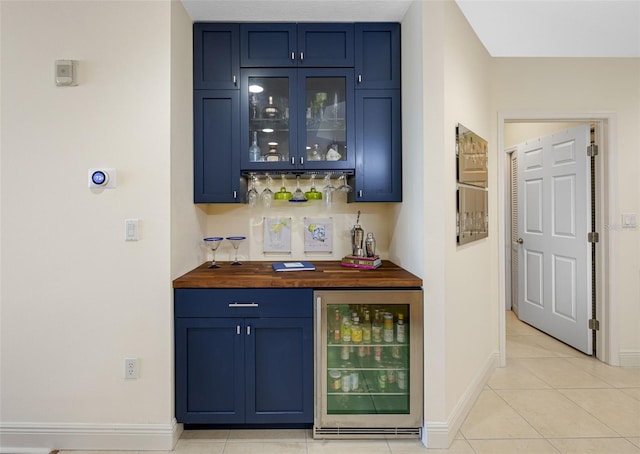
[[377, 62], [268, 44], [325, 45], [378, 147], [216, 56], [280, 371], [209, 371], [216, 137]]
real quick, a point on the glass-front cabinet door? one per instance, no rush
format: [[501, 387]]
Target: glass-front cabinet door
[[297, 120], [268, 113], [327, 128]]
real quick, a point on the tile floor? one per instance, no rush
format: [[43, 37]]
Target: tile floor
[[549, 399]]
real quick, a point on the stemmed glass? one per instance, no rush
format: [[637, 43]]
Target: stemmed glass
[[283, 194], [313, 193], [267, 193], [235, 242], [328, 189], [298, 195], [252, 195], [213, 243], [344, 186]]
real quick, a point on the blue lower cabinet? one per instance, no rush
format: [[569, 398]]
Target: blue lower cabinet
[[243, 370]]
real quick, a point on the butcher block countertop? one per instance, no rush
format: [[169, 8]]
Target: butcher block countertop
[[328, 274]]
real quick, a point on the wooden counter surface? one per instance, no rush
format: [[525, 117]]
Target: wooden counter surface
[[328, 274]]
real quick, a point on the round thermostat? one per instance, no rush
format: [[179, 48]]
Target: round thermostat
[[99, 177]]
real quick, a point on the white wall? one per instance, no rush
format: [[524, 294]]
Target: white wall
[[461, 318], [76, 298], [593, 85]]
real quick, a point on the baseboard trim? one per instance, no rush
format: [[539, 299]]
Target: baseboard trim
[[440, 434], [41, 438], [629, 358]]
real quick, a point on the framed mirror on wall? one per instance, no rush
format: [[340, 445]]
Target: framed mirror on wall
[[472, 214]]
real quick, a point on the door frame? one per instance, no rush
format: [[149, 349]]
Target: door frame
[[607, 344]]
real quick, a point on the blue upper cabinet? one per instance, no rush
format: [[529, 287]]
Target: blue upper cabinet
[[377, 61], [216, 56], [272, 45]]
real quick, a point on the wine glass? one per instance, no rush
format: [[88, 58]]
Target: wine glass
[[235, 242], [344, 186], [328, 189], [213, 243], [298, 195], [252, 195], [267, 193]]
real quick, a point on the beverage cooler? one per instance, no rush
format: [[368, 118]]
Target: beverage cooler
[[369, 364]]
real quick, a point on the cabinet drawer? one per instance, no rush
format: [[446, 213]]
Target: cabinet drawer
[[243, 302]]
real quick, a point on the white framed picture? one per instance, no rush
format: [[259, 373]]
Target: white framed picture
[[318, 234], [277, 235]]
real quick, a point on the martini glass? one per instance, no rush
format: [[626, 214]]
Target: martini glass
[[235, 242], [298, 195], [213, 243], [283, 194], [313, 193]]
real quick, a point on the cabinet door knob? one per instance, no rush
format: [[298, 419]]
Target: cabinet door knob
[[360, 193], [293, 56], [293, 161], [235, 194], [301, 161], [248, 330], [301, 56], [359, 78], [238, 329]]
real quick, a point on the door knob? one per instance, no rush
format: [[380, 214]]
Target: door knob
[[520, 241]]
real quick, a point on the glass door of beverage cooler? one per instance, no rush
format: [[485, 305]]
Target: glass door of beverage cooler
[[369, 362]]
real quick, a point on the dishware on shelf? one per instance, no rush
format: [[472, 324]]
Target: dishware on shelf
[[267, 194], [235, 242], [213, 243], [298, 195], [283, 194], [252, 195], [313, 193]]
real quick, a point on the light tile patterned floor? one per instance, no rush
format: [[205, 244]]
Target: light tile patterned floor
[[549, 399]]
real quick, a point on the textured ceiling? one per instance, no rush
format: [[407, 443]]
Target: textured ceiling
[[507, 28]]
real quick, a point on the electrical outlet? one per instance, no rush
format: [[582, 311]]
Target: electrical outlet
[[130, 368]]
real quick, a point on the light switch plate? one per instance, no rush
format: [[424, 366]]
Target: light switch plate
[[629, 220], [131, 227]]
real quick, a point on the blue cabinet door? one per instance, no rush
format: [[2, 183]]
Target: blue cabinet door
[[378, 174], [324, 45], [279, 370], [216, 56], [268, 45], [377, 55], [216, 140], [210, 385]]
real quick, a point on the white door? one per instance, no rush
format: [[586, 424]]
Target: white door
[[554, 259]]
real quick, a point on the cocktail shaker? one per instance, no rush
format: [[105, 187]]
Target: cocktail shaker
[[357, 239], [370, 245]]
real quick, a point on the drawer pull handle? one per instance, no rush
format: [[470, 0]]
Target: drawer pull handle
[[243, 304]]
